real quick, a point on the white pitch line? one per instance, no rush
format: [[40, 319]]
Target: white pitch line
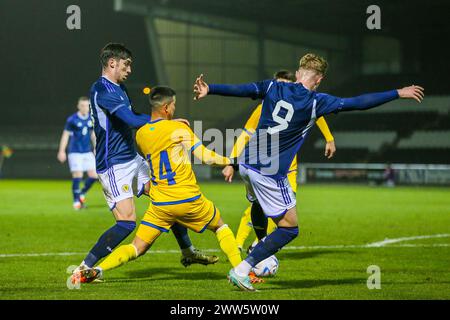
[[380, 244], [51, 254], [389, 241]]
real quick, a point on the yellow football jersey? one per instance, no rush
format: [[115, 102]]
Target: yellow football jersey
[[167, 146], [252, 124]]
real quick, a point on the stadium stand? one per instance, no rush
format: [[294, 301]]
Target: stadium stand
[[372, 141], [426, 140]]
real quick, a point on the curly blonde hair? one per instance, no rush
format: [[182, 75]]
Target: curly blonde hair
[[311, 61]]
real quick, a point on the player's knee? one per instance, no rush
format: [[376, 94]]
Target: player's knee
[[125, 210], [125, 216], [287, 220], [215, 226], [92, 175], [77, 174]]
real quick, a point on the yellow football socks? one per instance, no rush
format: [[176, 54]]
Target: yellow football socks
[[245, 228], [271, 226], [118, 257], [228, 244]]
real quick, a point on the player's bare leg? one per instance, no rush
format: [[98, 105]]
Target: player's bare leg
[[289, 220], [125, 210]]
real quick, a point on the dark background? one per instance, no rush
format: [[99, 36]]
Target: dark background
[[45, 67]]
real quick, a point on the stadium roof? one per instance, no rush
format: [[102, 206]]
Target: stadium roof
[[329, 16]]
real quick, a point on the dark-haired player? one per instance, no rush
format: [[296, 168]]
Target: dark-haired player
[[122, 172]]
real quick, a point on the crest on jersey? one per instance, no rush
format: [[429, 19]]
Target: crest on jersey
[[126, 188]]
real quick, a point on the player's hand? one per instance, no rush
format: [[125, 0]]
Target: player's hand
[[228, 173], [411, 92], [186, 122], [201, 88], [62, 157], [330, 149], [147, 189]]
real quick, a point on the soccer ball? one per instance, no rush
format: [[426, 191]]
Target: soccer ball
[[267, 268]]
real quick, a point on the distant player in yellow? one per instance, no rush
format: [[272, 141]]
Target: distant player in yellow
[[245, 226], [174, 193]]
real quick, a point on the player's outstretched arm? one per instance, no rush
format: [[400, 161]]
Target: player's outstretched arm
[[372, 100], [255, 90], [327, 104]]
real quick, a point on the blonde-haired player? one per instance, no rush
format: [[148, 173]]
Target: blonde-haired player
[[265, 174], [245, 226], [174, 193]]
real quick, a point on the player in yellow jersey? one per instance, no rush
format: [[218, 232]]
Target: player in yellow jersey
[[246, 225], [175, 195]]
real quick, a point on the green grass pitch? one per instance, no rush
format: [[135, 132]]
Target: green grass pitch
[[329, 259]]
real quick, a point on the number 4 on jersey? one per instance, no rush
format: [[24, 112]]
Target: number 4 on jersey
[[164, 166]]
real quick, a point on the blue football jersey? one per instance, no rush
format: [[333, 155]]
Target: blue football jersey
[[80, 129], [289, 111], [114, 143]]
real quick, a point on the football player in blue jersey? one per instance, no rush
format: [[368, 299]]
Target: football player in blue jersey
[[79, 139], [122, 172], [289, 110]]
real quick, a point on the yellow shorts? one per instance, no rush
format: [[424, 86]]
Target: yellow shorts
[[196, 215], [292, 178]]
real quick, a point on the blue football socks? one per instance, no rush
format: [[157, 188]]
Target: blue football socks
[[181, 234], [76, 189], [271, 244], [108, 241], [88, 184]]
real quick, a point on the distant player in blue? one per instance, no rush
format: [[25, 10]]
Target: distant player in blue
[[79, 140], [122, 172], [289, 110]]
